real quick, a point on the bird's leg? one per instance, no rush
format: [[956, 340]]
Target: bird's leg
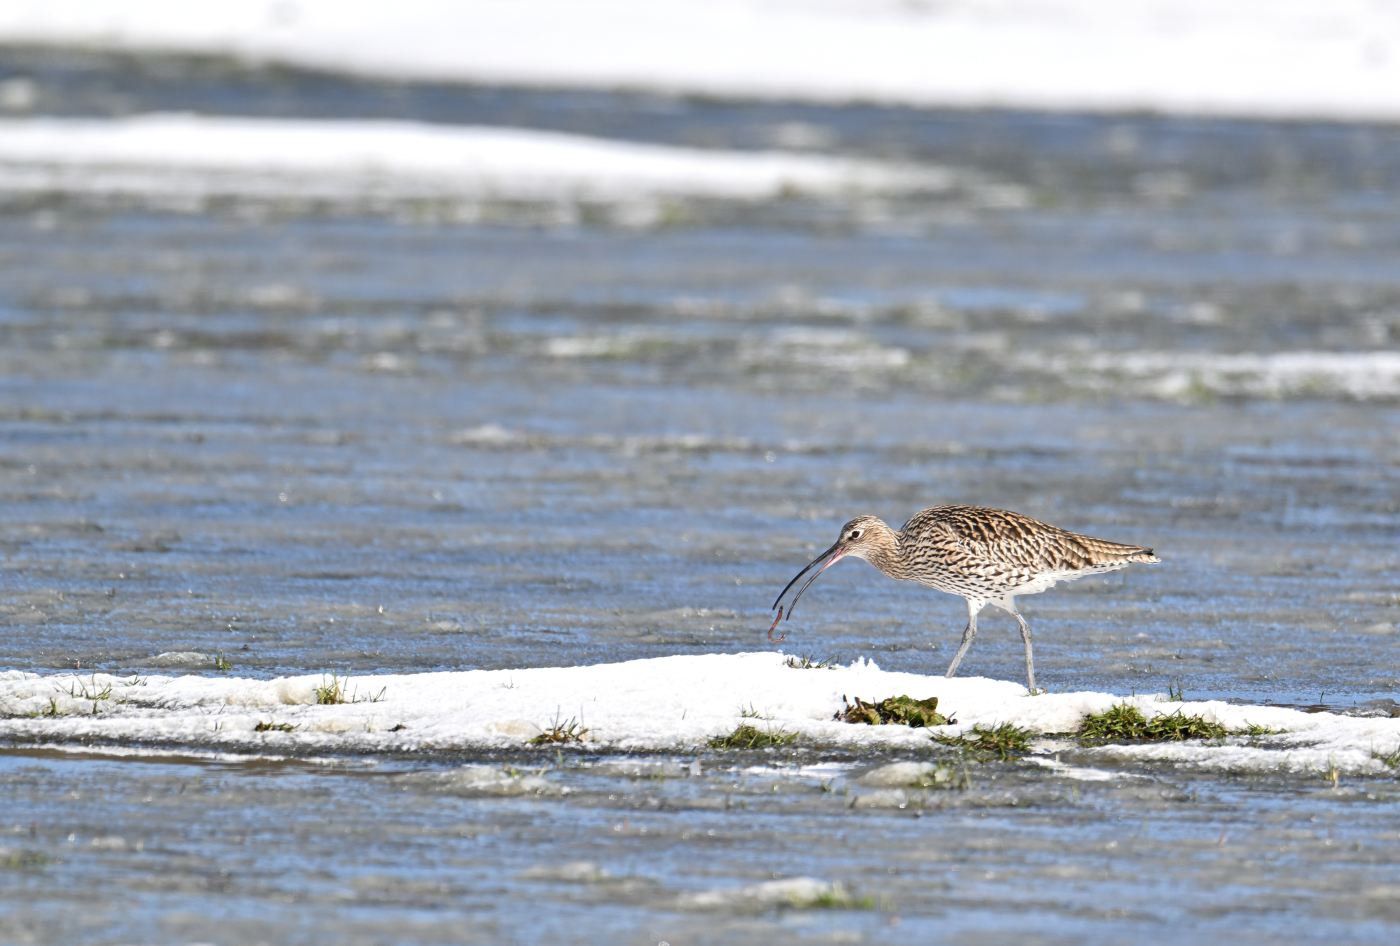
[[968, 636], [1030, 660]]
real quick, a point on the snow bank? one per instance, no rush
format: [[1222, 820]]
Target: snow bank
[[164, 154], [1330, 58], [663, 704]]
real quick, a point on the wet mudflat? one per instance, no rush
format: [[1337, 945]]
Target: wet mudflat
[[297, 439]]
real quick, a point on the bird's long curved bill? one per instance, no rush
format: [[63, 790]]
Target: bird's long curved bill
[[832, 556]]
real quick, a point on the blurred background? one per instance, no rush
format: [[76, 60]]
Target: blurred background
[[341, 336]]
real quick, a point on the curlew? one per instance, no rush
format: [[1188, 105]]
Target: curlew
[[988, 556]]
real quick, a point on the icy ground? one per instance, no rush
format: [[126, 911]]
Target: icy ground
[[663, 704]]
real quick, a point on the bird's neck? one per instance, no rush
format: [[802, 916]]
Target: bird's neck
[[888, 556]]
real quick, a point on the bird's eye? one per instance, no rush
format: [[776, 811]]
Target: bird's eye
[[855, 534]]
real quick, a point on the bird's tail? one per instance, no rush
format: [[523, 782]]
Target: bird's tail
[[1112, 553]]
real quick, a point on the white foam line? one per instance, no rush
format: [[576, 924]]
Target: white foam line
[[662, 704], [1249, 57], [161, 154]]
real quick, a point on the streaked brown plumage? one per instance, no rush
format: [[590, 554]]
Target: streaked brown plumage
[[988, 556]]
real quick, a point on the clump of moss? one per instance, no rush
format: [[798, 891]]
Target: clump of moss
[[269, 727], [1125, 723], [751, 737], [1004, 741], [897, 710]]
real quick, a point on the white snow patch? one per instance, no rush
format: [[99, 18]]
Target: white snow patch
[[1333, 58], [793, 892], [196, 156], [1361, 375], [179, 658], [574, 872], [1077, 772], [642, 768], [900, 774], [473, 780], [662, 704]]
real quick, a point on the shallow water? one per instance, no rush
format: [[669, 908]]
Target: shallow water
[[184, 850], [356, 439], [192, 469]]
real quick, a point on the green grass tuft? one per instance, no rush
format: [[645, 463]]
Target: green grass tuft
[[806, 662], [897, 710], [333, 693], [751, 737], [24, 860], [79, 690], [1125, 723], [222, 663], [561, 732], [1389, 759], [837, 898], [1005, 740], [269, 727]]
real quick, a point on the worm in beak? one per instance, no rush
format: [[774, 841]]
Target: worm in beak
[[832, 556]]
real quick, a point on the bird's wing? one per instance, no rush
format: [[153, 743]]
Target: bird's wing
[[1009, 546]]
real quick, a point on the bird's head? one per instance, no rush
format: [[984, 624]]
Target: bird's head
[[864, 537]]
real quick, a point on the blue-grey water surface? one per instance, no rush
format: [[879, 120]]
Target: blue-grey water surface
[[310, 437]]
